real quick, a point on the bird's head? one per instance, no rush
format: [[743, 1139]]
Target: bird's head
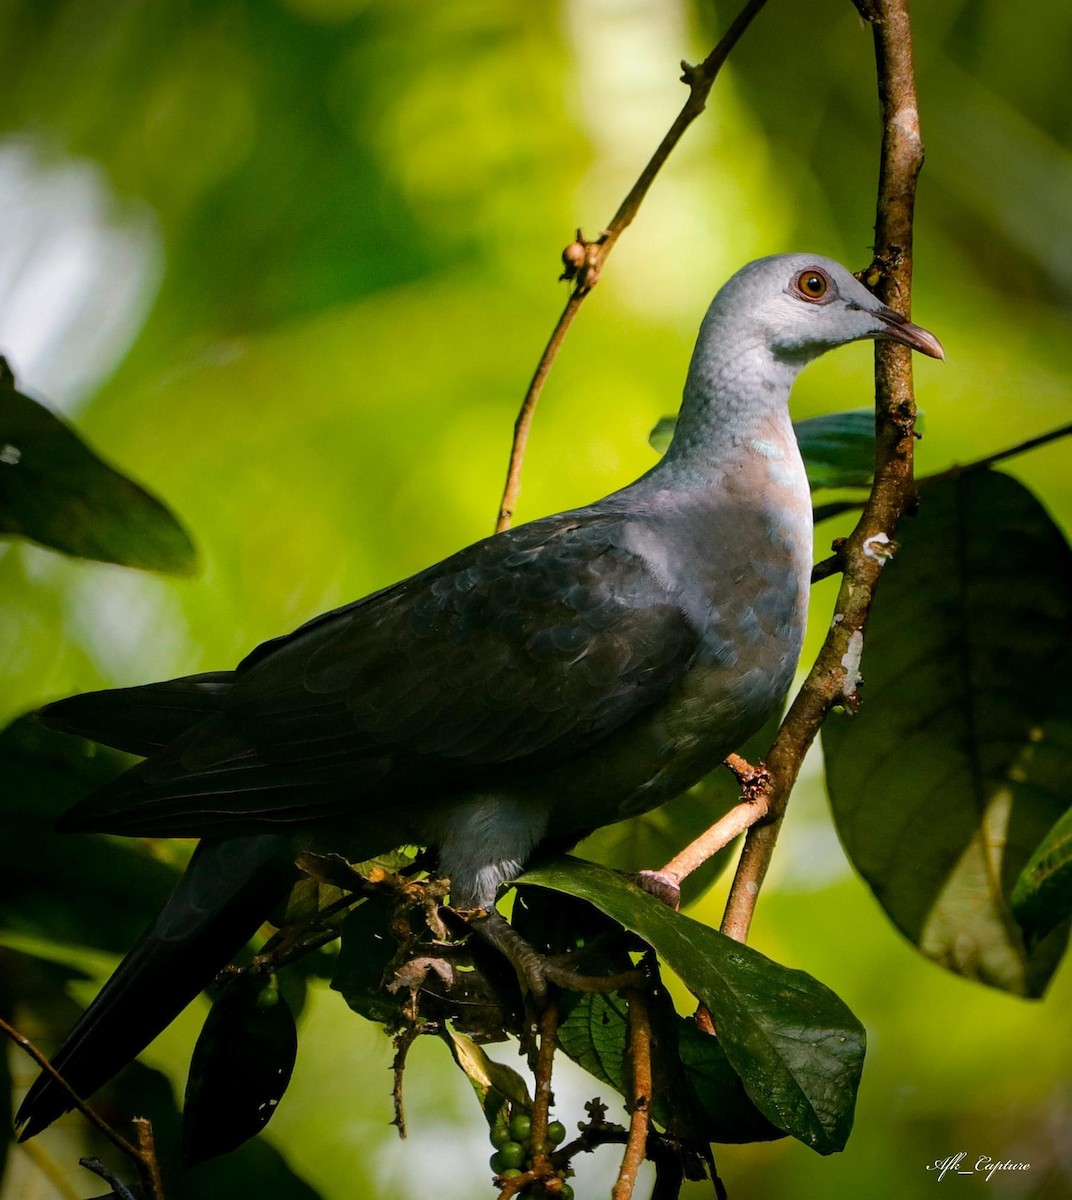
[[805, 304]]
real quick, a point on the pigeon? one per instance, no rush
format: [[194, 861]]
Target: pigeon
[[554, 678]]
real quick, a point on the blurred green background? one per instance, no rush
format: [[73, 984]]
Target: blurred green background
[[291, 263]]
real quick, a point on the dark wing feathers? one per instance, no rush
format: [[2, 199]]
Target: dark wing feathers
[[141, 720], [515, 655]]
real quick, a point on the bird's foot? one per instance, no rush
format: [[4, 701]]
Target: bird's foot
[[536, 971], [660, 885]]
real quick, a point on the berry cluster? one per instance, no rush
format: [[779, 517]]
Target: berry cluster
[[514, 1149]]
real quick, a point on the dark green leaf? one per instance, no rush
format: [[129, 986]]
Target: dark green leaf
[[253, 1169], [1042, 897], [366, 952], [729, 1115], [959, 761], [54, 490], [838, 448], [594, 1034], [240, 1068], [796, 1047]]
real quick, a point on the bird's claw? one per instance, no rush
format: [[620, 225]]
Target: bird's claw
[[661, 886]]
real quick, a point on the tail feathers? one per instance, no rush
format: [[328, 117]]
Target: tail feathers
[[140, 720], [225, 895]]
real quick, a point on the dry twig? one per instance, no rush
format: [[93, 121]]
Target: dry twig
[[585, 260], [142, 1155]]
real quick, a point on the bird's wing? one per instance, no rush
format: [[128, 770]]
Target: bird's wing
[[513, 656]]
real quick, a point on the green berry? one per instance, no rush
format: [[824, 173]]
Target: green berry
[[565, 1192], [556, 1132], [520, 1126], [498, 1135], [509, 1173], [496, 1163], [512, 1154]]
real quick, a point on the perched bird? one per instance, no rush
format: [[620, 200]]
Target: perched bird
[[523, 692]]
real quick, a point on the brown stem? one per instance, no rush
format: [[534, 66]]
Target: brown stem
[[592, 255], [148, 1165], [639, 1059], [142, 1155], [755, 804], [541, 1104], [832, 679]]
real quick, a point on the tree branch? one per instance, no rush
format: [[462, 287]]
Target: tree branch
[[142, 1155], [584, 260], [832, 678]]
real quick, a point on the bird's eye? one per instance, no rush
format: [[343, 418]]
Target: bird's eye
[[812, 284]]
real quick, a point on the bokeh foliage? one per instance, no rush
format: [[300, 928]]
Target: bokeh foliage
[[354, 210]]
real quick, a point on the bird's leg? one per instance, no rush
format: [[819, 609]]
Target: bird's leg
[[535, 970], [493, 928], [755, 781]]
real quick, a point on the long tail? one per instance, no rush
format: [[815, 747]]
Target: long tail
[[143, 719], [227, 891]]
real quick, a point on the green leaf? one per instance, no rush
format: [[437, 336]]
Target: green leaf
[[240, 1068], [1042, 897], [496, 1085], [366, 951], [594, 1035], [838, 448], [960, 759], [55, 491], [795, 1045]]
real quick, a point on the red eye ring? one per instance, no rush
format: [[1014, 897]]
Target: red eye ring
[[812, 284]]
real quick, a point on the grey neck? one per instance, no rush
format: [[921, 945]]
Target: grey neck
[[735, 406]]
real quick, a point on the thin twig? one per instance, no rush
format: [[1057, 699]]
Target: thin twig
[[755, 785], [979, 464], [117, 1139], [120, 1191], [143, 1156], [893, 489], [639, 1059], [591, 256]]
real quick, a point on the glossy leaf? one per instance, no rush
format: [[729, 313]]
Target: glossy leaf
[[838, 448], [55, 491], [240, 1068], [959, 761], [594, 1035], [797, 1048], [1042, 897], [367, 949]]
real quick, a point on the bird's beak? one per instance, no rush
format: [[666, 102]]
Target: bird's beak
[[900, 329]]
